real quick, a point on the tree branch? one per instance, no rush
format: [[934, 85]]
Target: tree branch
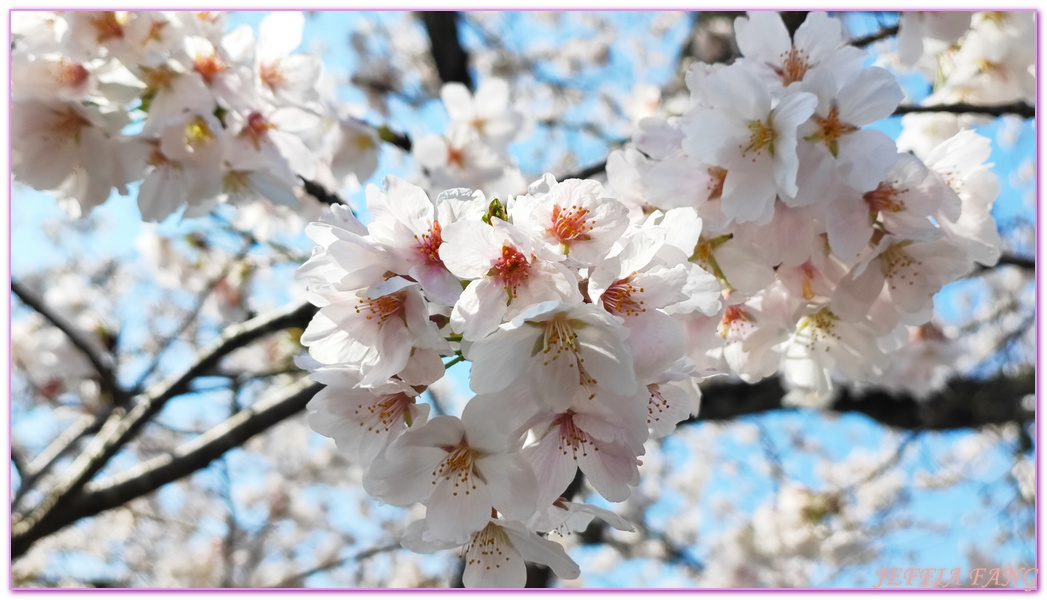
[[192, 315], [452, 62], [963, 404], [47, 459], [319, 192], [587, 172], [122, 425], [192, 456], [1018, 261], [868, 40], [101, 360], [298, 579], [1020, 109]]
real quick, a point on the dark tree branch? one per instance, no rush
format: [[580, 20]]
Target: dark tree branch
[[101, 360], [319, 192], [793, 19], [58, 448], [123, 424], [963, 404], [868, 40], [1020, 109], [18, 457], [1021, 262], [452, 62], [587, 172], [192, 456]]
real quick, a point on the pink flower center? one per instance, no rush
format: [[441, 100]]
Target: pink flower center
[[256, 128], [926, 332], [511, 270], [429, 245], [831, 129], [209, 66], [108, 26], [571, 224], [808, 271], [884, 198], [656, 404], [618, 299], [383, 308], [67, 125], [271, 75], [734, 319], [572, 438], [456, 157], [794, 66], [457, 466], [71, 74], [379, 416], [156, 30], [486, 547]]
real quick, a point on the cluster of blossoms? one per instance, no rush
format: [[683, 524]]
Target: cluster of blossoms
[[828, 242], [980, 58], [570, 316], [101, 100], [473, 151], [765, 229]]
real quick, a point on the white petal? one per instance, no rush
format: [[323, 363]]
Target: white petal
[[498, 359], [281, 32], [512, 483], [537, 549]]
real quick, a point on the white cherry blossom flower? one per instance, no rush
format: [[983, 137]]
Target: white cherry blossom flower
[[376, 328], [507, 274], [817, 43], [460, 470], [560, 350], [362, 421], [574, 517], [915, 27], [408, 224], [861, 157], [602, 435], [281, 76], [572, 218], [495, 555], [752, 140], [960, 161], [822, 343], [488, 112], [901, 203]]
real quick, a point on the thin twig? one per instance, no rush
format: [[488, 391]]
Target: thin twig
[[868, 40], [587, 172], [150, 475], [101, 360], [124, 424], [293, 580], [1020, 109], [58, 448], [1022, 262], [191, 316]]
